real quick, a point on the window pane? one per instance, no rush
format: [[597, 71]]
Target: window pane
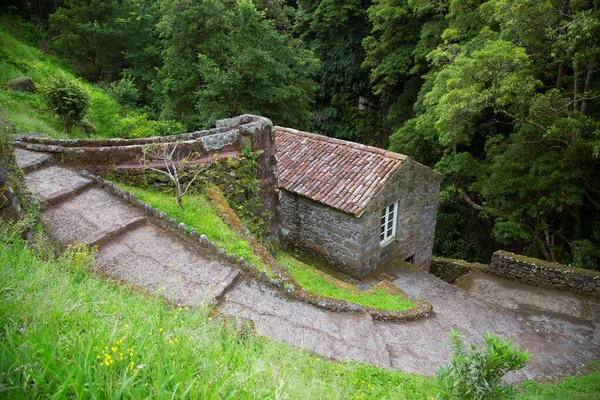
[[381, 237], [389, 232]]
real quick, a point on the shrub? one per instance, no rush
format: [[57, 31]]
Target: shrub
[[67, 98], [125, 93], [139, 126], [474, 374]]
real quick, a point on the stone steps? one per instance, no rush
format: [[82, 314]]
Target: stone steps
[[131, 248]]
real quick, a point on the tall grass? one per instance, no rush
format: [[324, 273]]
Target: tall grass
[[67, 333], [199, 214], [27, 112]]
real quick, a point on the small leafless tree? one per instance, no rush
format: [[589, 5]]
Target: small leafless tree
[[176, 163]]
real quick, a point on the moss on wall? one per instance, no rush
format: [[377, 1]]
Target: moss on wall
[[235, 176]]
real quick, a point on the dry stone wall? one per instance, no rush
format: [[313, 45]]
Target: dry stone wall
[[10, 208], [230, 136], [450, 270], [541, 273]]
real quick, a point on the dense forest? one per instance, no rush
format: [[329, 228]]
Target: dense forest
[[499, 96]]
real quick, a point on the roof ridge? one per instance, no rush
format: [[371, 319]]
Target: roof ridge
[[353, 145]]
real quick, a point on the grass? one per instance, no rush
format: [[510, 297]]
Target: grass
[[199, 214], [586, 387], [318, 282], [67, 333], [27, 111]]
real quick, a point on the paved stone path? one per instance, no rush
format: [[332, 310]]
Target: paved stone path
[[560, 330]]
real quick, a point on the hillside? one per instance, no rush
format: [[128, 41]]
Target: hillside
[[26, 112]]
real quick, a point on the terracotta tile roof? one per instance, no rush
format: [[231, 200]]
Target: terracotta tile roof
[[341, 174]]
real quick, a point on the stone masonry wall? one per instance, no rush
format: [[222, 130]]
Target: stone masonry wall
[[351, 243], [99, 156], [229, 137], [10, 208], [416, 188], [541, 273], [323, 232], [262, 140], [449, 270]]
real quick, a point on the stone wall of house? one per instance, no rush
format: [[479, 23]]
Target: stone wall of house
[[534, 272], [416, 188], [323, 232], [351, 243]]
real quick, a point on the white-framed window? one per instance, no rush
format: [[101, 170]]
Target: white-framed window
[[388, 223]]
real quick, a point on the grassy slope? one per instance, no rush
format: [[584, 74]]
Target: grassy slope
[[315, 282], [59, 322], [200, 215], [26, 110]]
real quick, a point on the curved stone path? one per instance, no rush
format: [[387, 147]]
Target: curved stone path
[[560, 330]]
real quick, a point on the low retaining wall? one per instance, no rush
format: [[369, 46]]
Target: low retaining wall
[[535, 272], [449, 270], [230, 136], [10, 208]]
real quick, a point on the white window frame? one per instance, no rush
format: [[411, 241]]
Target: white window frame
[[388, 215]]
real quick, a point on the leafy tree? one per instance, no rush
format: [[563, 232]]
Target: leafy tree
[[346, 107], [89, 33], [67, 98], [223, 59], [519, 146], [477, 374], [126, 93]]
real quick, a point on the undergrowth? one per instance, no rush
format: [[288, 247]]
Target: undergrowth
[[30, 115]]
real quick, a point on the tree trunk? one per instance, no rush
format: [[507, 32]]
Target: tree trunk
[[586, 88], [68, 126], [542, 246], [178, 194], [561, 74]]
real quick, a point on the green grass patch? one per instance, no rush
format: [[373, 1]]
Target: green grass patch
[[70, 334], [586, 387], [199, 214], [27, 111], [315, 281]]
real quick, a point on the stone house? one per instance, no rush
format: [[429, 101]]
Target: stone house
[[355, 206]]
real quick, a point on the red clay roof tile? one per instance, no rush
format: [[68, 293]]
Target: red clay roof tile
[[341, 174]]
